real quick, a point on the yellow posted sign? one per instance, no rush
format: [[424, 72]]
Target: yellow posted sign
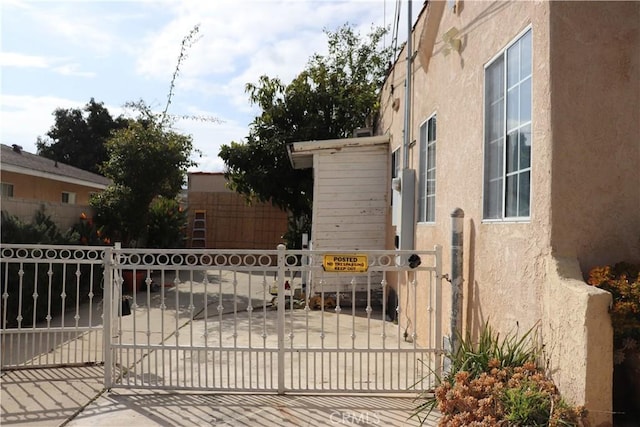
[[345, 263]]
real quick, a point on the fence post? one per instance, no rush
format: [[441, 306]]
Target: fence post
[[107, 316], [457, 239], [281, 318]]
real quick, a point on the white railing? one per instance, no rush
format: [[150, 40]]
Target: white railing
[[50, 305], [247, 321], [228, 320]]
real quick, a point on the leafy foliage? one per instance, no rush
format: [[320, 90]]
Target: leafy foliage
[[42, 230], [78, 136], [334, 95], [623, 282], [23, 280], [87, 231], [495, 381], [478, 357], [167, 224], [146, 160]]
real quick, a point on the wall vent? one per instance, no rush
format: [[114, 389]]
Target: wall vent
[[362, 132]]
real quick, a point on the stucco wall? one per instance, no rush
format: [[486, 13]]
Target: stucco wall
[[511, 277], [576, 336], [45, 190], [210, 182], [595, 97], [63, 214], [504, 262]]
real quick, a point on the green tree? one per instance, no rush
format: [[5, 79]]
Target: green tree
[[146, 160], [335, 94], [78, 136], [147, 163]]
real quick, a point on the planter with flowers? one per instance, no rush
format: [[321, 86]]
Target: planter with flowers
[[623, 282]]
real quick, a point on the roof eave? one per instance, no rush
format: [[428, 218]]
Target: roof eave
[[301, 153]]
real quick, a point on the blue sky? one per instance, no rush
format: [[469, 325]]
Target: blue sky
[[62, 53]]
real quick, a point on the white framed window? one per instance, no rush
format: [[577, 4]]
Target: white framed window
[[395, 191], [395, 167], [507, 132], [68, 197], [427, 172], [7, 190]]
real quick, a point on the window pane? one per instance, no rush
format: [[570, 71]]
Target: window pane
[[431, 187], [495, 121], [524, 194], [431, 209], [7, 190], [422, 174], [513, 105], [525, 55], [513, 65], [493, 199], [512, 151], [525, 147], [494, 81], [432, 129], [431, 156], [525, 101], [395, 166], [512, 196], [494, 161]]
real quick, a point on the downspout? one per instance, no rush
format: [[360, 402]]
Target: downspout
[[408, 176]]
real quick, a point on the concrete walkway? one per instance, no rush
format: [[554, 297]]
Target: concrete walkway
[[74, 396]]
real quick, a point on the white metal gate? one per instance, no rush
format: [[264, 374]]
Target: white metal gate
[[51, 305], [272, 321]]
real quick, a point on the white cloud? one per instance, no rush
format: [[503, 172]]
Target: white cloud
[[19, 60], [73, 70], [209, 136], [58, 65], [238, 44]]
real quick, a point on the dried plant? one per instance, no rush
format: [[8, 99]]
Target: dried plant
[[623, 282], [496, 382]]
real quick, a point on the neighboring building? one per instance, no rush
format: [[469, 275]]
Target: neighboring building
[[527, 116], [222, 219], [30, 181]]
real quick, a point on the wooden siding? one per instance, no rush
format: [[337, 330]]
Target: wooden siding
[[351, 198]]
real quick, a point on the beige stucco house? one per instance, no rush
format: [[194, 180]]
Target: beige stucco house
[[526, 115], [30, 181]]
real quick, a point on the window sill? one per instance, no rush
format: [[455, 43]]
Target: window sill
[[523, 220]]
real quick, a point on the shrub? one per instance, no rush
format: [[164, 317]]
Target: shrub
[[42, 230], [21, 280], [494, 382], [623, 282], [167, 224]]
